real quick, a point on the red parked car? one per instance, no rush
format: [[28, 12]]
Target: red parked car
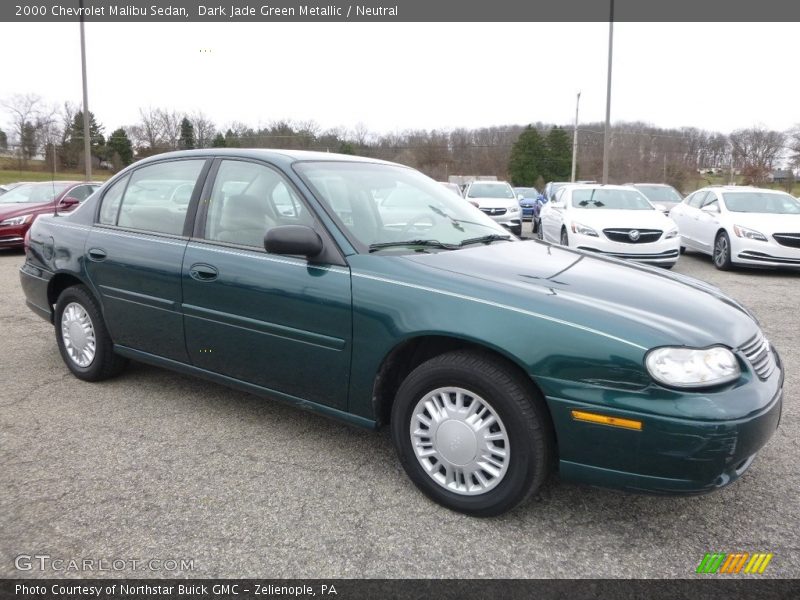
[[21, 205]]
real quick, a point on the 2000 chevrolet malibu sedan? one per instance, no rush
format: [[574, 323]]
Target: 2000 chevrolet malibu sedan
[[494, 361]]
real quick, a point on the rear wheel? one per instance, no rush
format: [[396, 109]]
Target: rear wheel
[[471, 434], [83, 338], [722, 252]]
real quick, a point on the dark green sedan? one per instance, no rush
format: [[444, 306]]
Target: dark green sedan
[[365, 291]]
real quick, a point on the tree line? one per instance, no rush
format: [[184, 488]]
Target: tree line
[[526, 155]]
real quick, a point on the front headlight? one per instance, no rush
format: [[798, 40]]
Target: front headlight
[[583, 229], [513, 209], [16, 220], [692, 367], [749, 234], [671, 234]]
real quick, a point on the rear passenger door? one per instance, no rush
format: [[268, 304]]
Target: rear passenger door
[[134, 252]]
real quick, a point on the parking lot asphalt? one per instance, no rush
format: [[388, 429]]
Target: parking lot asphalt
[[156, 465]]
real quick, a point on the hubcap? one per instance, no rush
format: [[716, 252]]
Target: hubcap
[[77, 333], [722, 250], [460, 441]]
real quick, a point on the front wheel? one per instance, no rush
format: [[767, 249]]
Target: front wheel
[[722, 252], [564, 238], [471, 433], [82, 337]]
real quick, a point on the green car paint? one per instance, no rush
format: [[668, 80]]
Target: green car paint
[[326, 336]]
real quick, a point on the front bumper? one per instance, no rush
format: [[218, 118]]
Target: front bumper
[[662, 252], [13, 236], [764, 254], [668, 455]]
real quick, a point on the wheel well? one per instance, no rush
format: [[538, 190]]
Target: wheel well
[[58, 284], [721, 230], [408, 355]]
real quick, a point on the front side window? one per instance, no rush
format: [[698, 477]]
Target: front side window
[[388, 204], [249, 198], [157, 196], [696, 199]]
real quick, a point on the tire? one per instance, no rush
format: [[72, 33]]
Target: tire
[[517, 231], [564, 238], [513, 413], [534, 228], [722, 252], [539, 231], [84, 323], [682, 250]]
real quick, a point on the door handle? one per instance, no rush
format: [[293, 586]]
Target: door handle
[[97, 254], [203, 272]]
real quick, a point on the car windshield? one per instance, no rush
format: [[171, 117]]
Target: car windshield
[[33, 193], [491, 190], [610, 199], [389, 205], [660, 193], [527, 192], [756, 202]]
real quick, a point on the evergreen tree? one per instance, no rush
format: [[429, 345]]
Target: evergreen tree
[[29, 142], [527, 154], [346, 148], [3, 140], [231, 139], [120, 145], [218, 141], [72, 149], [187, 135], [558, 166]]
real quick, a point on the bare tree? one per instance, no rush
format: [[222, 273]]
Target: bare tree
[[149, 129], [794, 145], [755, 151], [204, 129], [170, 121], [32, 121]]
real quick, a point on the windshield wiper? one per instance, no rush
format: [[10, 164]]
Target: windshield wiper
[[486, 239], [427, 243]]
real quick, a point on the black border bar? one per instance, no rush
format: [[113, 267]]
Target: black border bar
[[707, 587], [189, 11]]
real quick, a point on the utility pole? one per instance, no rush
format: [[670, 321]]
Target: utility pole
[[87, 146], [575, 139], [607, 132]]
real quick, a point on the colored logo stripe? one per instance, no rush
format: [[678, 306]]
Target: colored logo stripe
[[721, 562]]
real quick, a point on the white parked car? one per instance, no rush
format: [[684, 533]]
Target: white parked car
[[741, 225], [498, 200], [614, 220]]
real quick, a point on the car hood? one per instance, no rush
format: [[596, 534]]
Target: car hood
[[16, 209], [766, 223], [595, 292], [494, 202], [637, 219]]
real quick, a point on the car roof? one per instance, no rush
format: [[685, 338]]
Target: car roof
[[276, 155]]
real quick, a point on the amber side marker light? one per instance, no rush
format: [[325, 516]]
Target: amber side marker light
[[580, 415]]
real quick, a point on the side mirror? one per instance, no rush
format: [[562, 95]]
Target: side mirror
[[711, 209], [555, 204], [520, 197], [660, 207], [474, 203], [68, 201], [298, 240]]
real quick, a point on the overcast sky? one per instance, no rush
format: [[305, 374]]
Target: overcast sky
[[395, 76]]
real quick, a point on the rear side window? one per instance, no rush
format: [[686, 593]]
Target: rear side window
[[158, 195], [111, 200]]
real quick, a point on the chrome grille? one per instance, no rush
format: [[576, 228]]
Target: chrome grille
[[639, 236], [788, 239], [759, 355], [494, 211]]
